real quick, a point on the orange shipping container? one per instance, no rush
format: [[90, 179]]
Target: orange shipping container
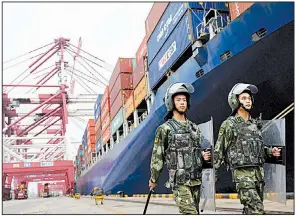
[[90, 123], [106, 136], [237, 8], [129, 106], [105, 122], [91, 140], [140, 92]]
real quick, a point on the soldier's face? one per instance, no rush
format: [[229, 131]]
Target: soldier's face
[[180, 102], [245, 99]]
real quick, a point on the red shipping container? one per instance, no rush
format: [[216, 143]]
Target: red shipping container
[[90, 123], [123, 65], [106, 121], [97, 135], [138, 74], [123, 83], [237, 8], [91, 140], [106, 108], [154, 16], [91, 132], [122, 96], [106, 136], [105, 97], [142, 51]]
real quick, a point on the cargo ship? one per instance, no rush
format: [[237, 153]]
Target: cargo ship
[[210, 45]]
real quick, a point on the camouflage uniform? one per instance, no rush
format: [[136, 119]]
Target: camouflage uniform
[[186, 195], [249, 180]]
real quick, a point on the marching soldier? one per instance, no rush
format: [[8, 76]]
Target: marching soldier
[[177, 144], [241, 148]]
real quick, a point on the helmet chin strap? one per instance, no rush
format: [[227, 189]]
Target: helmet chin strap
[[179, 112], [247, 110]]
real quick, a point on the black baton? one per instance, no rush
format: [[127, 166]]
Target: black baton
[[148, 198]]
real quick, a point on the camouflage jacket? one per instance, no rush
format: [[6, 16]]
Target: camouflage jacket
[[225, 138], [158, 153]]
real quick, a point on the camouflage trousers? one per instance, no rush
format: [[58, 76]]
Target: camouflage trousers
[[251, 196], [187, 198]]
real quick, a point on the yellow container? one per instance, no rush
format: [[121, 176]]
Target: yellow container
[[129, 106], [140, 92]]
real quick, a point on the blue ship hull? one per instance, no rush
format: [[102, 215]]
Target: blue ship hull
[[267, 63]]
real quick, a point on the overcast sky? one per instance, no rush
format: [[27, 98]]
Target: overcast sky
[[108, 31]]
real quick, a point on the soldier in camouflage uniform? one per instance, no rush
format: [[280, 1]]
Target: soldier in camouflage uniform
[[240, 147], [177, 144]]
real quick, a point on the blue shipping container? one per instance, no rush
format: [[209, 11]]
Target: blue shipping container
[[98, 145], [181, 38], [97, 103], [171, 18], [220, 6], [96, 114], [164, 28]]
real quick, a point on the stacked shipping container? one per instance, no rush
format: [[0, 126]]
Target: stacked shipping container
[[172, 37], [97, 107], [97, 122], [170, 30], [140, 92], [105, 116], [121, 90], [91, 136], [80, 159], [120, 84]]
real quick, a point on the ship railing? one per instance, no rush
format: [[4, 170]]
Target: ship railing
[[131, 128], [143, 117]]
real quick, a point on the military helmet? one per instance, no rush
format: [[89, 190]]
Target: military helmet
[[177, 88], [238, 89]]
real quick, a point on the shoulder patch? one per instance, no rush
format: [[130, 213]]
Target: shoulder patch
[[156, 140]]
